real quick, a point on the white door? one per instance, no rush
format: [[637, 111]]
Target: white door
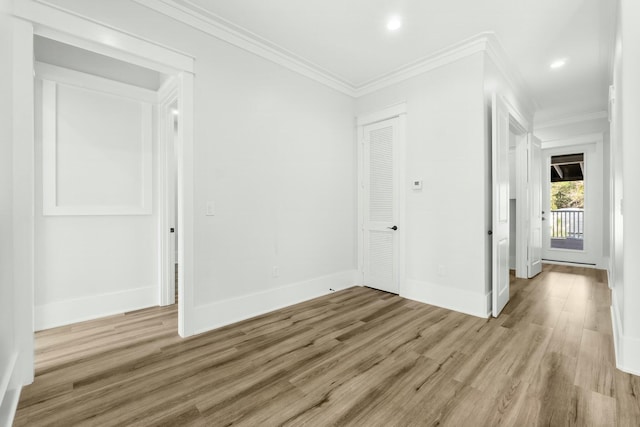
[[380, 211], [500, 220], [534, 178]]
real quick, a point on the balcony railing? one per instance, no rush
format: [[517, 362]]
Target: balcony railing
[[567, 224]]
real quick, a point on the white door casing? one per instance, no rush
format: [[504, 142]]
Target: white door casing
[[534, 255], [591, 147], [500, 203], [380, 207]]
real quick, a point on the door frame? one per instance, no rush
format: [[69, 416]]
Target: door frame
[[519, 122], [167, 168], [398, 111], [47, 21], [591, 146], [522, 198]]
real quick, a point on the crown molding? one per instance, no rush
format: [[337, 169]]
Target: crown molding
[[438, 59], [579, 118], [59, 23], [196, 17], [187, 12], [496, 53], [211, 24]]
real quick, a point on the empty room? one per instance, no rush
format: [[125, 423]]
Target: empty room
[[277, 212]]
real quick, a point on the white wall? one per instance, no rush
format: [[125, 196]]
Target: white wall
[[89, 266], [445, 146], [625, 154], [8, 346], [275, 152]]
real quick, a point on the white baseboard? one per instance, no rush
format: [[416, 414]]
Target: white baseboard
[[10, 389], [605, 263], [473, 303], [571, 264], [627, 349], [65, 312], [221, 313]]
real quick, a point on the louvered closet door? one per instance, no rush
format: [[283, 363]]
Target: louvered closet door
[[380, 206]]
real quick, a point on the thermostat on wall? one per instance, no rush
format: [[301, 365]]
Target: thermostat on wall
[[416, 184]]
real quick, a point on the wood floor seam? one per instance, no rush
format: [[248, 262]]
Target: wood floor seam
[[354, 357]]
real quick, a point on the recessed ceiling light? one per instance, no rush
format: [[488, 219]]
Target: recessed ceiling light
[[175, 111], [394, 23], [558, 63]]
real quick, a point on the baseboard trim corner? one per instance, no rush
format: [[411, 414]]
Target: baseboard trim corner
[[60, 313], [472, 303], [10, 389], [221, 313], [627, 349]]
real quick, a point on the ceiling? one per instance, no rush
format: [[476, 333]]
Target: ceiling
[[349, 39]]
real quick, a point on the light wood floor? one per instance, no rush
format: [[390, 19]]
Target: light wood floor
[[355, 357]]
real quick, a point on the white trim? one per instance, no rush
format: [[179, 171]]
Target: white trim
[[186, 212], [440, 58], [402, 198], [10, 387], [6, 374], [386, 113], [75, 310], [216, 26], [219, 28], [570, 264], [473, 303], [166, 201], [579, 118], [156, 58], [225, 312], [627, 349], [496, 53], [398, 111], [50, 158], [590, 138], [523, 201], [23, 196], [63, 25], [82, 80], [591, 145]]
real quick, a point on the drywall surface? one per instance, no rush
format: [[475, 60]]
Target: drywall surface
[[625, 246], [445, 147], [93, 257], [7, 304], [274, 152]]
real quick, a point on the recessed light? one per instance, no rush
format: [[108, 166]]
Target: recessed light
[[394, 23], [558, 63], [175, 111]]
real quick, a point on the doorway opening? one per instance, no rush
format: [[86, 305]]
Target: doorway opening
[[381, 197], [567, 189]]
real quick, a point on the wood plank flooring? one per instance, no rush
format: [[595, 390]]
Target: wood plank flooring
[[355, 357]]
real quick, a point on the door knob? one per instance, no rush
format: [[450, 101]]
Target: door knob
[[490, 232], [393, 228]]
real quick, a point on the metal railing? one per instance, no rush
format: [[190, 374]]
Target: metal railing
[[567, 223]]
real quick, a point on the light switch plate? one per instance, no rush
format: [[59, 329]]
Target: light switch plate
[[416, 184], [211, 209]]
